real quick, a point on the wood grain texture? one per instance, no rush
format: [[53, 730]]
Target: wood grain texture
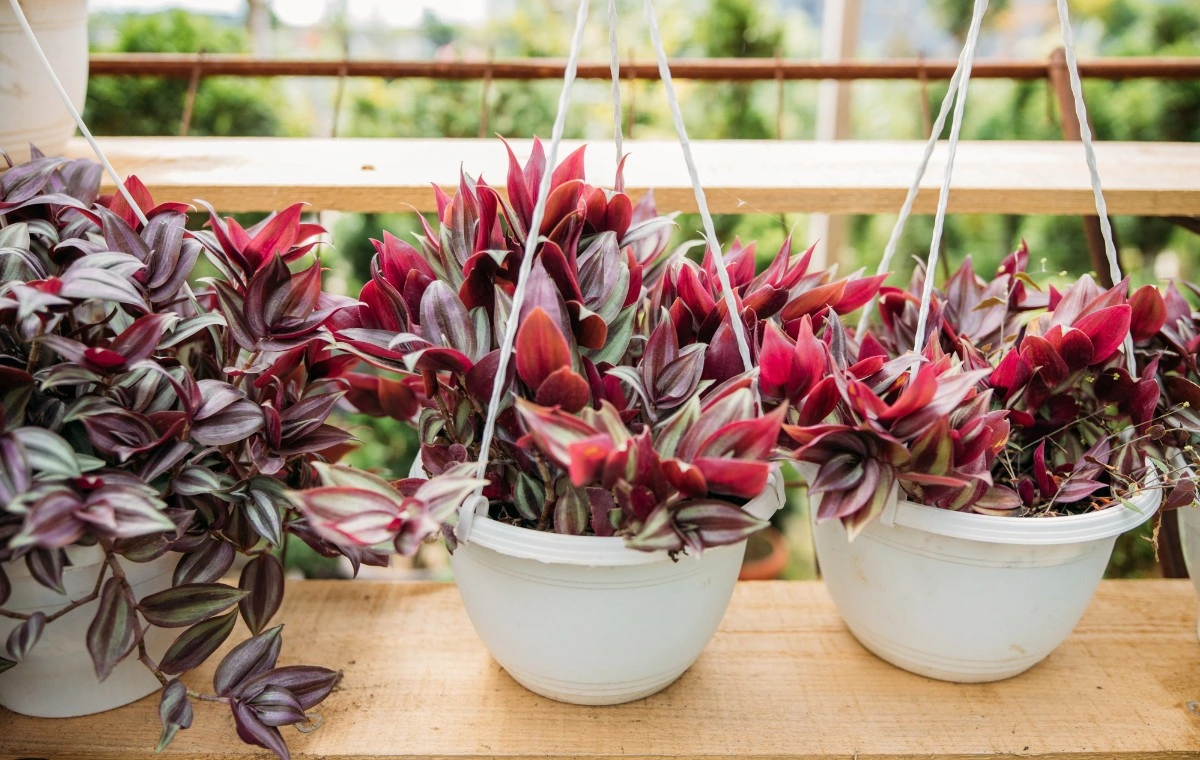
[[781, 679], [740, 176]]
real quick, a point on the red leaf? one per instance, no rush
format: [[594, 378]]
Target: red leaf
[[734, 477], [1107, 329], [541, 349], [566, 388], [858, 292], [1044, 360], [276, 236], [1149, 312]]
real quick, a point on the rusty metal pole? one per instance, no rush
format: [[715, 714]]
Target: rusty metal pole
[[1061, 85]]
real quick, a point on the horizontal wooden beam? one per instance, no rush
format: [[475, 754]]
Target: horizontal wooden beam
[[740, 176], [782, 679], [710, 69]]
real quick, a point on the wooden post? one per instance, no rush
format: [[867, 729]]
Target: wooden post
[[1061, 83]]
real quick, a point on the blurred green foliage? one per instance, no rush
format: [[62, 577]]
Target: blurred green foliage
[[154, 106]]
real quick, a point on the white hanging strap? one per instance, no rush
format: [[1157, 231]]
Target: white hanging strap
[[614, 67], [66, 99], [939, 219], [467, 511], [889, 251], [1089, 153], [1085, 135], [664, 70]]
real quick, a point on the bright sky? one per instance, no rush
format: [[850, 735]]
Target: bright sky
[[309, 12]]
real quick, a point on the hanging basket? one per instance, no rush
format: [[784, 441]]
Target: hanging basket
[[587, 620], [30, 111], [57, 678], [966, 597]]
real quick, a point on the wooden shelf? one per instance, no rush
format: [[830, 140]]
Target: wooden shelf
[[741, 176], [782, 679]]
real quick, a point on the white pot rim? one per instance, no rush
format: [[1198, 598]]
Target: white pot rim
[[80, 557], [1033, 531], [596, 551]]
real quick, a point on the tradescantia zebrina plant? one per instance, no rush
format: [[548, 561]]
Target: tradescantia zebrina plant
[[628, 412], [143, 419], [1021, 403]]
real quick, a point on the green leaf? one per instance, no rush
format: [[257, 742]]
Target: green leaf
[[189, 604]]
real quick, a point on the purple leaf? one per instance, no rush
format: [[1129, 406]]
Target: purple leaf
[[114, 631], [46, 567], [276, 706], [207, 564], [188, 604], [25, 636], [262, 580], [253, 731], [309, 683], [250, 658], [197, 644], [175, 712]]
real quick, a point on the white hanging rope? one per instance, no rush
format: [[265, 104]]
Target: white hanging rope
[[889, 251], [66, 99], [1085, 135], [614, 67], [664, 70], [467, 510], [939, 219], [1089, 153]]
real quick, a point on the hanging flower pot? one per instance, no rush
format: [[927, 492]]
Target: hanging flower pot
[[969, 597], [150, 431], [632, 448], [30, 111], [61, 657], [967, 498], [598, 623]]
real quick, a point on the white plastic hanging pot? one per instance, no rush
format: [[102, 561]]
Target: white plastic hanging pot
[[1189, 533], [30, 110], [57, 678], [966, 597], [586, 620]]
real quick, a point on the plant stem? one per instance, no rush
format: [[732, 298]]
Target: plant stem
[[74, 605]]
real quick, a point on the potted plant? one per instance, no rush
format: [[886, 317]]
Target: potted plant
[[967, 499], [632, 450], [1169, 346], [148, 436], [30, 111]]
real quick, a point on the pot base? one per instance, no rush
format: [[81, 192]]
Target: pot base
[[594, 695], [943, 668]]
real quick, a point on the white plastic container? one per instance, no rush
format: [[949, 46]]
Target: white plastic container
[[57, 679], [1189, 534], [30, 110], [965, 597], [583, 619]]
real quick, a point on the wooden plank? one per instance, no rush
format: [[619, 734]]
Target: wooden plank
[[741, 176], [782, 679]]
